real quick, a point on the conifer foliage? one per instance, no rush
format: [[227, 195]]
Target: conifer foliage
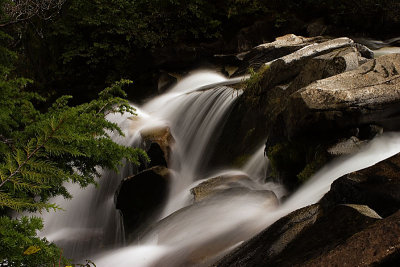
[[42, 149]]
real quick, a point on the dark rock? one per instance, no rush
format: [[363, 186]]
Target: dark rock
[[377, 187], [140, 197], [377, 245], [302, 235], [156, 155]]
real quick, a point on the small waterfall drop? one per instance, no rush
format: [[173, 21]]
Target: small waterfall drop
[[194, 110]]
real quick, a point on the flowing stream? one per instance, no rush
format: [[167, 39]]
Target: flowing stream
[[187, 233]]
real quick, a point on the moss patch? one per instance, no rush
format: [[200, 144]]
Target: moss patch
[[295, 162]]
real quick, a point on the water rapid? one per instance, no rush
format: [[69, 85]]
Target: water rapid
[[187, 233]]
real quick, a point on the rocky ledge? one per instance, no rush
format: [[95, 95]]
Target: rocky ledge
[[357, 223], [321, 98]]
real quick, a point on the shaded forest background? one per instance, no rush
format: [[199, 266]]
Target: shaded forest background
[[92, 43]]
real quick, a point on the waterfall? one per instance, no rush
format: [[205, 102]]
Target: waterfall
[[201, 231], [194, 110], [187, 233]]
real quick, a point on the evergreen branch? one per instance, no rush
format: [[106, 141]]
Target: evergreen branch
[[29, 156]]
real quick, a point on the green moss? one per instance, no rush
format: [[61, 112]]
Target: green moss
[[312, 167], [296, 161], [254, 83]]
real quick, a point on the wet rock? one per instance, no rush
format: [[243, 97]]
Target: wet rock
[[377, 245], [141, 196], [205, 229], [377, 187], [156, 155], [302, 235], [218, 184], [160, 135]]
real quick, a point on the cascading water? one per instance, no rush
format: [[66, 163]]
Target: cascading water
[[191, 234], [90, 221]]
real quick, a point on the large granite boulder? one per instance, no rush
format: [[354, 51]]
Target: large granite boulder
[[300, 236], [267, 95], [368, 94], [282, 46]]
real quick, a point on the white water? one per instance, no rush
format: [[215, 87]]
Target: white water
[[196, 234], [221, 227]]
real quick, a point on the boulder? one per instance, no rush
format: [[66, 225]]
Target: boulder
[[141, 196], [377, 187], [218, 184], [319, 115], [201, 232], [302, 235], [284, 45], [366, 95], [377, 245], [267, 93], [161, 135]]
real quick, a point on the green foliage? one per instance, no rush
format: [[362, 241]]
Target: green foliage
[[41, 150], [21, 247], [254, 83], [64, 144]]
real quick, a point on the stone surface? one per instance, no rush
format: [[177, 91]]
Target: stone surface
[[377, 245], [141, 196], [302, 235], [284, 45], [160, 135], [218, 184], [377, 187], [266, 96]]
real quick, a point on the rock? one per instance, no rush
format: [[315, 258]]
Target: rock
[[346, 146], [160, 135], [156, 155], [377, 187], [141, 196], [369, 94], [302, 235], [263, 53], [266, 93], [319, 115], [377, 245], [205, 229], [218, 184]]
